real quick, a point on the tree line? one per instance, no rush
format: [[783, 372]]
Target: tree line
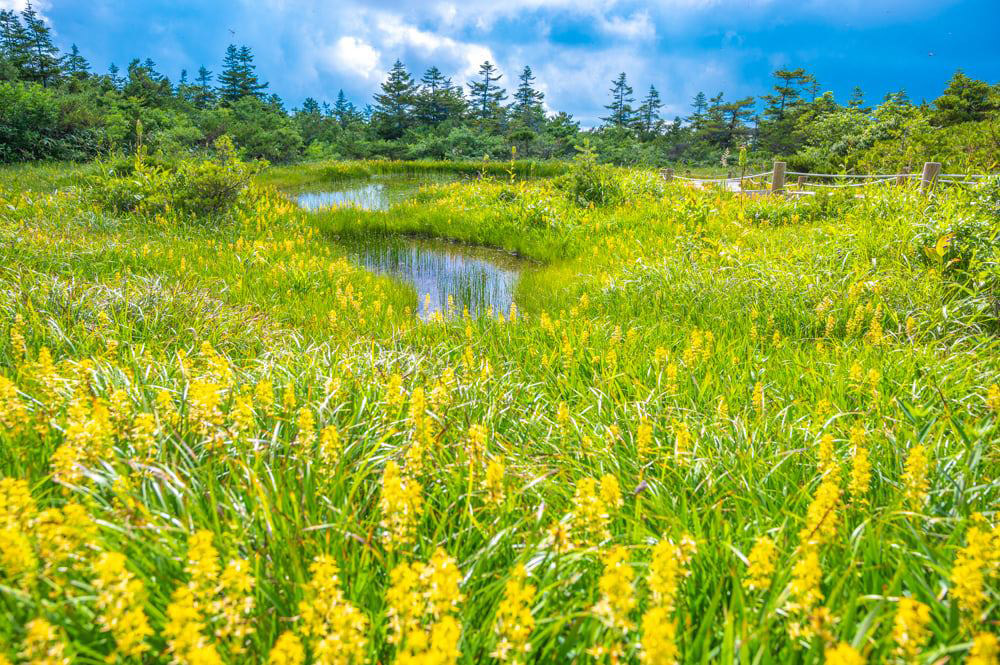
[[53, 106]]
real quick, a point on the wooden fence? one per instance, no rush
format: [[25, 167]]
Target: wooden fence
[[775, 181]]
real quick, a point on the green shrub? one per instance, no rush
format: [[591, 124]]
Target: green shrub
[[590, 183], [205, 188]]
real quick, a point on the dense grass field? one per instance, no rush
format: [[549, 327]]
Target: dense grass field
[[714, 429]]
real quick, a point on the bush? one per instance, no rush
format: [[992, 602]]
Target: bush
[[962, 241], [28, 118], [196, 188], [590, 183]]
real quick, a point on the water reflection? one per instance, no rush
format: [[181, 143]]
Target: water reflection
[[375, 193], [372, 196], [474, 278]]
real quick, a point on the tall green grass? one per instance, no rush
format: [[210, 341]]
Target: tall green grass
[[756, 326]]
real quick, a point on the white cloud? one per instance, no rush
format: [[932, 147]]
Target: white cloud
[[638, 26], [19, 5], [353, 56], [461, 59]]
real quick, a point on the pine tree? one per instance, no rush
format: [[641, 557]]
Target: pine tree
[[432, 104], [964, 100], [648, 118], [735, 114], [9, 25], [344, 111], [486, 96], [527, 106], [144, 83], [115, 76], [394, 105], [75, 64], [42, 57], [310, 107], [621, 103], [787, 91], [204, 95], [239, 75], [698, 106], [13, 46], [857, 100]]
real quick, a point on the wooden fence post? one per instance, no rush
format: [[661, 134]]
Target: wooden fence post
[[778, 178], [801, 182], [929, 176], [668, 174], [901, 179]]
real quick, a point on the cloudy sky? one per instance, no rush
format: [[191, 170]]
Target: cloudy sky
[[315, 47]]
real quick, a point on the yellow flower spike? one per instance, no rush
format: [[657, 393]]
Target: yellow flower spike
[[915, 480], [514, 623], [617, 588], [843, 654], [985, 650], [120, 600], [659, 637], [401, 505], [760, 568], [287, 650], [43, 644], [909, 629]]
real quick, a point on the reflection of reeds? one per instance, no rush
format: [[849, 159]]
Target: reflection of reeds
[[375, 193], [475, 278]]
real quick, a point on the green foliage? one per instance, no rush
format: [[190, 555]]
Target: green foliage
[[192, 188], [590, 183]]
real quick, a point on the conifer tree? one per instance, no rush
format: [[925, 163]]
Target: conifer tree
[[204, 94], [239, 75], [41, 57], [620, 108], [699, 105], [648, 117], [857, 100], [75, 64], [13, 49], [527, 106], [344, 111], [485, 96], [437, 100], [115, 76], [394, 105]]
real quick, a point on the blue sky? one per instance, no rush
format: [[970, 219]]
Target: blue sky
[[315, 47]]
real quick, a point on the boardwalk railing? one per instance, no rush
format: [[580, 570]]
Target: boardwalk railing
[[774, 181]]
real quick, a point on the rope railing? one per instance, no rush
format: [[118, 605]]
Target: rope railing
[[930, 175]]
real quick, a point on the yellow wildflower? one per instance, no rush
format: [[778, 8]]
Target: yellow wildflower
[[659, 637], [804, 591], [287, 650], [993, 398], [590, 514], [494, 482], [915, 481], [43, 644], [617, 589], [336, 627], [968, 574], [909, 629], [760, 568], [514, 622], [843, 654], [120, 599], [985, 650], [401, 504]]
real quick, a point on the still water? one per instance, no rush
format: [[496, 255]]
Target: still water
[[448, 277], [375, 193], [475, 278]]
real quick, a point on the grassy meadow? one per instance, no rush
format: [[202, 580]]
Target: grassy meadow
[[713, 430]]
